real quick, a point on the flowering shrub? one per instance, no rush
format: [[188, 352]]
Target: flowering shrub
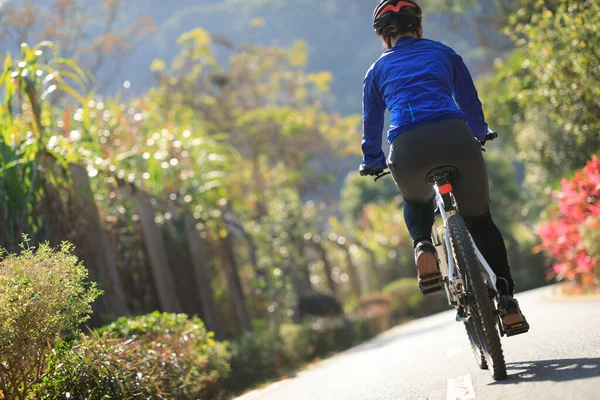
[[571, 238]]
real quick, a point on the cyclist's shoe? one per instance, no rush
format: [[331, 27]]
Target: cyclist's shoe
[[513, 320], [430, 278]]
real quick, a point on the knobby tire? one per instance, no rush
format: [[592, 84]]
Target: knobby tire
[[482, 314], [474, 338]]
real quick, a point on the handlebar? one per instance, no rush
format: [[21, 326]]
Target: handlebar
[[491, 135], [381, 175]]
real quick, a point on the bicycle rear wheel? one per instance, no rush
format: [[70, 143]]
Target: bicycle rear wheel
[[482, 318], [475, 339]]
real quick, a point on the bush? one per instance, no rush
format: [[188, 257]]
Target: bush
[[410, 302], [332, 335], [298, 342], [322, 336], [98, 368], [317, 304], [375, 310], [43, 295], [406, 296], [363, 329], [376, 300], [176, 351], [571, 236], [256, 357], [153, 356]]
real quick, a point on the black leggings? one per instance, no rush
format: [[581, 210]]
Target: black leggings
[[415, 153]]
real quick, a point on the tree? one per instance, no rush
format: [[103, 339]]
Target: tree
[[32, 173], [546, 92], [94, 34], [359, 190], [273, 112]]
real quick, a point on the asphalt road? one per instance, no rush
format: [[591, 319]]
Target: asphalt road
[[559, 358]]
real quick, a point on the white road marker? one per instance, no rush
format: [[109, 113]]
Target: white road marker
[[460, 388]]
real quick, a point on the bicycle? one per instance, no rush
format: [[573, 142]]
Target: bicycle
[[469, 281]]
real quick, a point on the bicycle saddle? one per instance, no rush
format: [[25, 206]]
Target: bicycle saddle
[[435, 173]]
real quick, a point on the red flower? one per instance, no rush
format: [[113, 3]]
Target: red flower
[[579, 200]]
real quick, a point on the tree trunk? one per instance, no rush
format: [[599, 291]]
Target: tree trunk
[[155, 248], [95, 249], [202, 275], [120, 300], [237, 292], [399, 267], [252, 249], [305, 276], [299, 269], [373, 265], [327, 267], [352, 271]]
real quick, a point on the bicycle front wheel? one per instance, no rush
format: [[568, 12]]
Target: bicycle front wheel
[[482, 320]]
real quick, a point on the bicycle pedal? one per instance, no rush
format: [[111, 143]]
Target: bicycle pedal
[[516, 329], [430, 286], [433, 279]]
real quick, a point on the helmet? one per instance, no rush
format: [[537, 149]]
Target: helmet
[[392, 16]]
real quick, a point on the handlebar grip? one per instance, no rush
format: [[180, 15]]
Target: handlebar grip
[[491, 136]]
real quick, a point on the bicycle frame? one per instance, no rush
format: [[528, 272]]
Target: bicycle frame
[[454, 284], [446, 207]]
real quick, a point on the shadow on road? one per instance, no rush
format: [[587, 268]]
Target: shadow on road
[[568, 369]]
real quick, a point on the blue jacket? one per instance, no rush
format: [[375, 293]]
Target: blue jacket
[[419, 81]]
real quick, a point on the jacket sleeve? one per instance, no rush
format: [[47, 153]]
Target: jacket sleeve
[[373, 119], [467, 97]]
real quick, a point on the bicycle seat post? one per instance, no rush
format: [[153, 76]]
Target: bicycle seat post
[[443, 188]]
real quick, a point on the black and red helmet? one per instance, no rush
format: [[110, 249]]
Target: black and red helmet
[[392, 16]]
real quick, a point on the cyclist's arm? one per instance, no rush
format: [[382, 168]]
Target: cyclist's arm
[[373, 118], [467, 98]]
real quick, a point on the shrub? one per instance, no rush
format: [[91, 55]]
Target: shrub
[[410, 302], [176, 352], [99, 368], [376, 310], [322, 336], [318, 304], [332, 335], [571, 236], [298, 342], [363, 329], [406, 295], [43, 295], [376, 300], [256, 357]]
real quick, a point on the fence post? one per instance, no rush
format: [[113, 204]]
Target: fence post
[[94, 246], [235, 284], [203, 277], [155, 248]]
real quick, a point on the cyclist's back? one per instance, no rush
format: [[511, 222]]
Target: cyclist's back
[[416, 80]]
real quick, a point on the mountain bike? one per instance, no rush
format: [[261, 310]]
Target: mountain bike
[[469, 281]]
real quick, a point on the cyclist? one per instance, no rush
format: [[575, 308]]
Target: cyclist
[[436, 120]]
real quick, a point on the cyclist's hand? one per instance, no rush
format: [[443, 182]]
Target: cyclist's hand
[[491, 135], [365, 171]]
